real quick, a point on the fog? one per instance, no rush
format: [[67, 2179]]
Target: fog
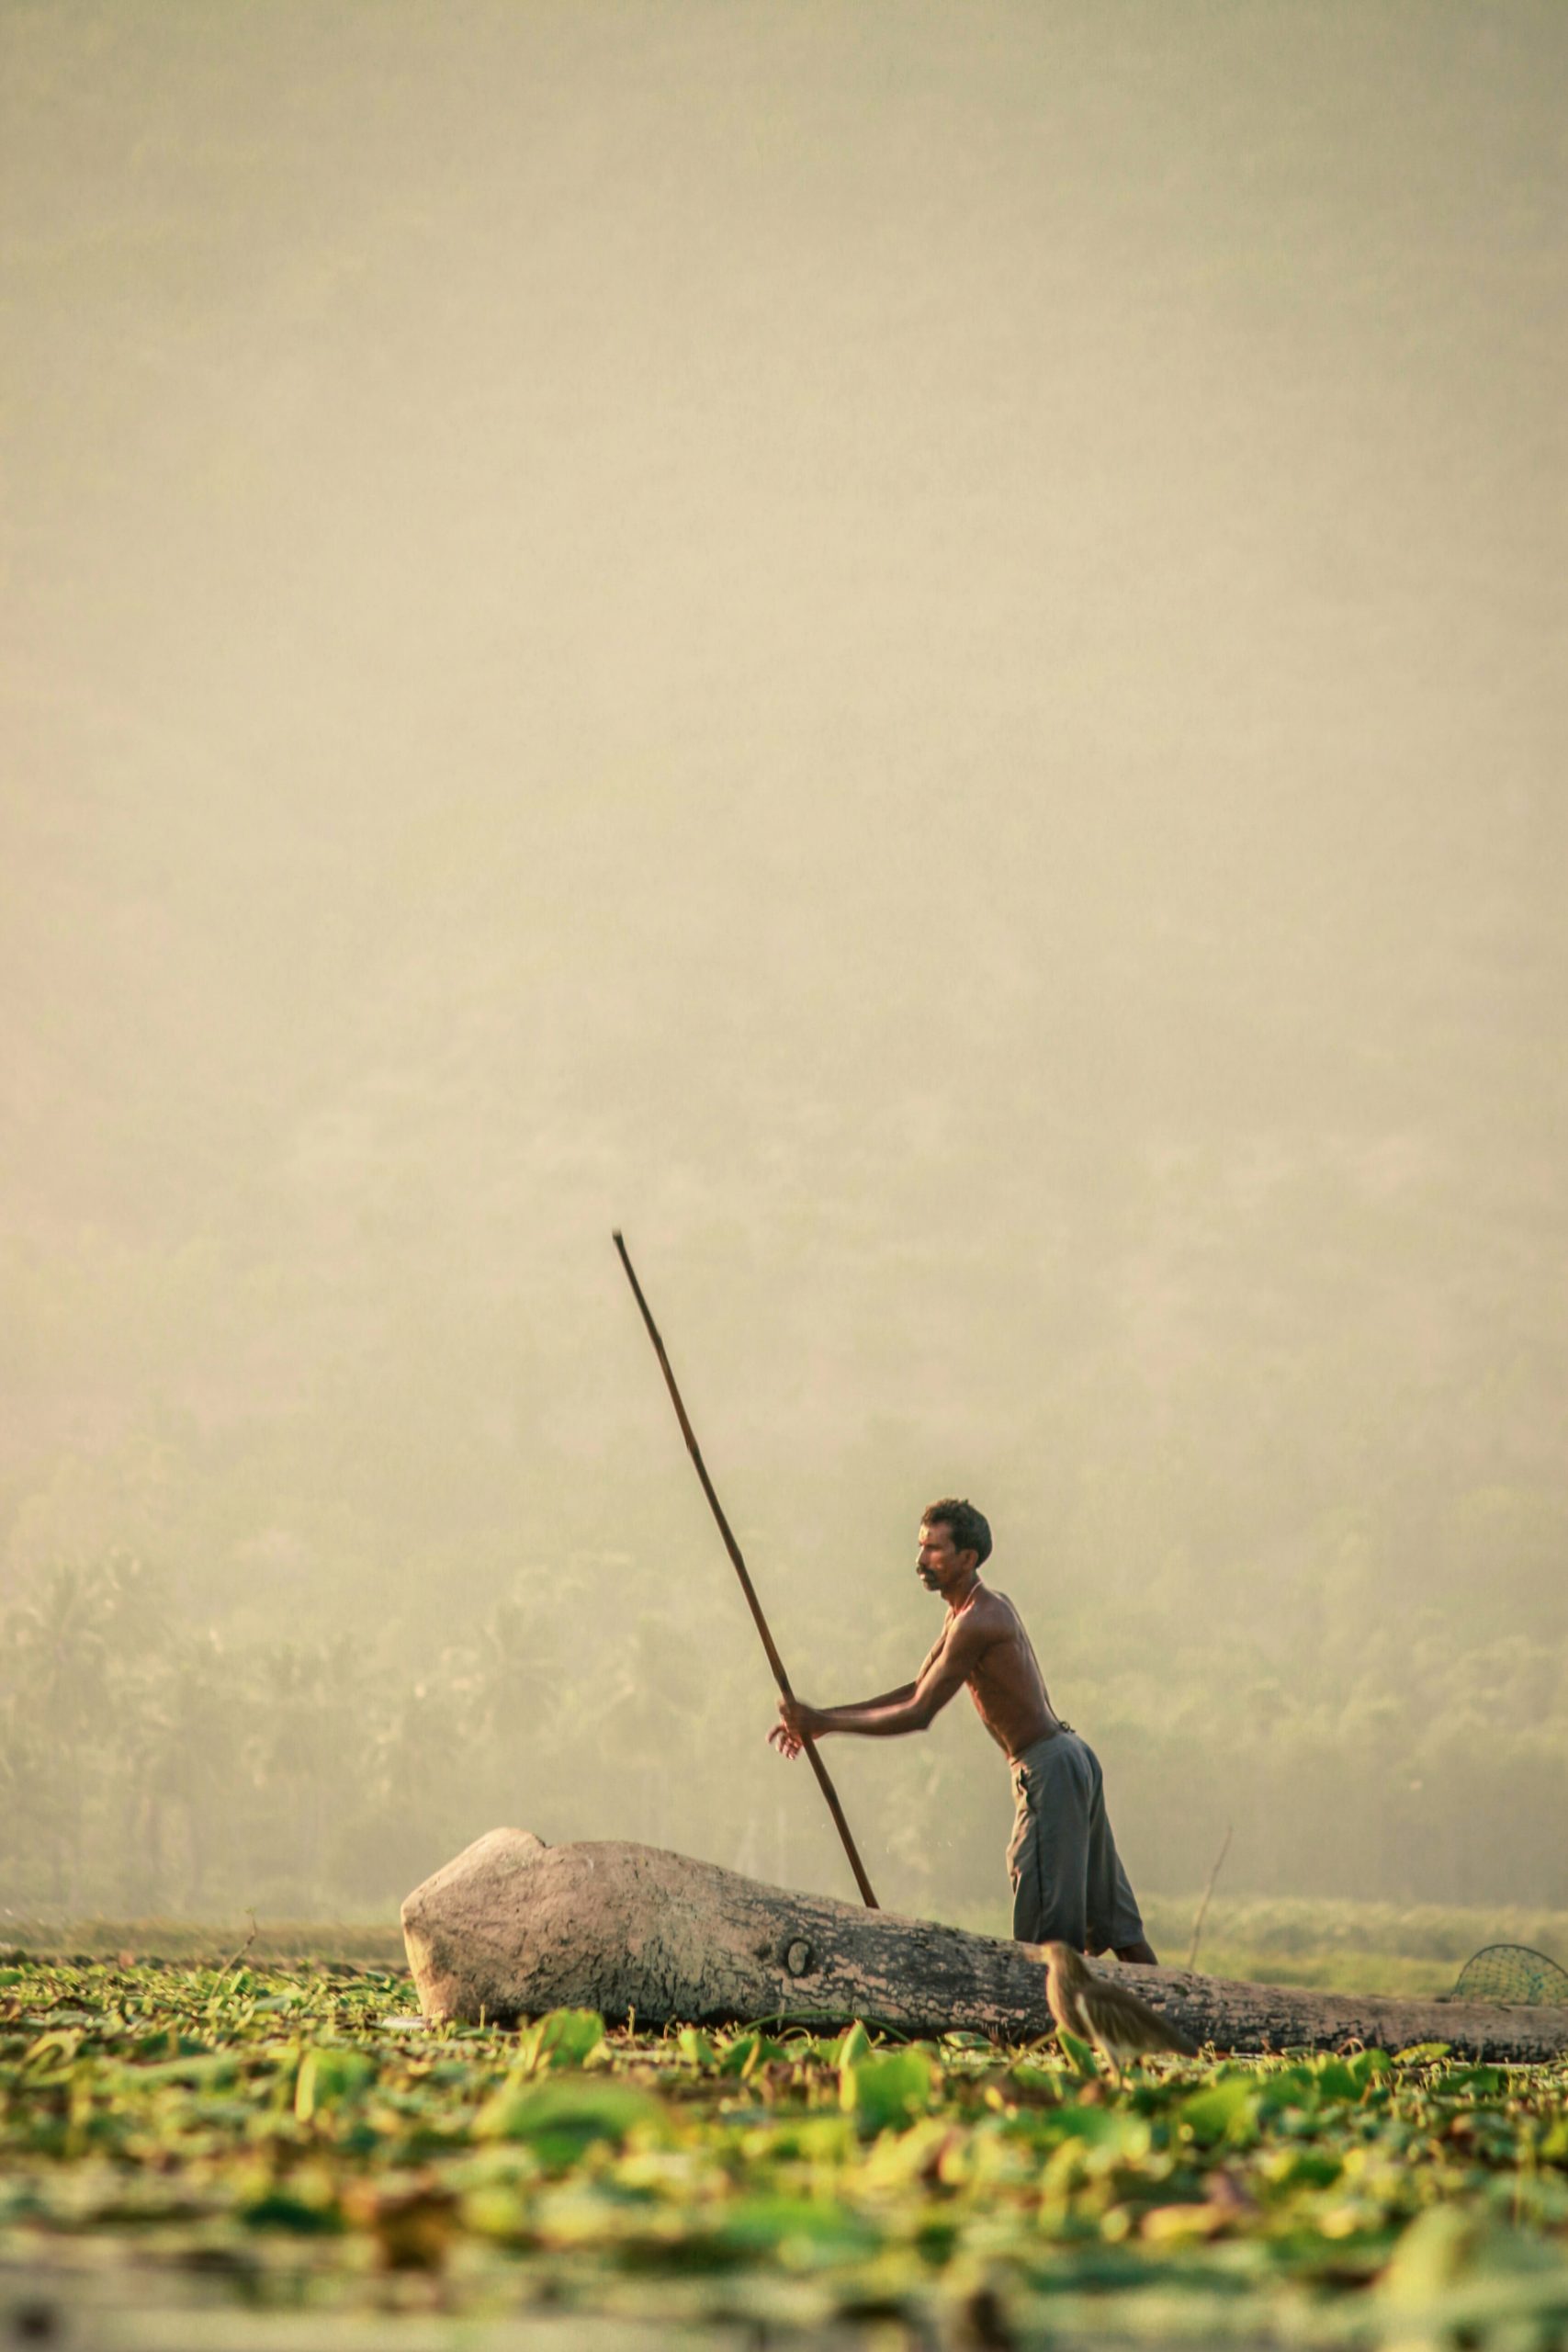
[[918, 653]]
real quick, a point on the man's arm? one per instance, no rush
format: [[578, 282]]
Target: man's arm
[[787, 1742], [888, 1699], [945, 1671]]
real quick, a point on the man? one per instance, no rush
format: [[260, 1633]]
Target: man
[[1068, 1884]]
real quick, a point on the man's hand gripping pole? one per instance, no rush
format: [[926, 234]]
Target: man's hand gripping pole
[[733, 1548]]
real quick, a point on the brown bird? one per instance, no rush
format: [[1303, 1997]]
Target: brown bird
[[1118, 2024]]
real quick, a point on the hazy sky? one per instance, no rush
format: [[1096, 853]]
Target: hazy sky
[[938, 438]]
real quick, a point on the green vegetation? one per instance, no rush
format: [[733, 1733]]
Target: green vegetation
[[351, 1945], [292, 2134], [1346, 1947]]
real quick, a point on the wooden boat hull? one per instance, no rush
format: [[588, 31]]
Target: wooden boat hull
[[512, 1928]]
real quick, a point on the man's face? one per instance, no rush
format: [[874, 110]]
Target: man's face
[[937, 1565]]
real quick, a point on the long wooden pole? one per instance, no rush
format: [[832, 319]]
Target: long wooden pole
[[747, 1587]]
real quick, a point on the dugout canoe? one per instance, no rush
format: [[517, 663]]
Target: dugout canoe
[[513, 1927]]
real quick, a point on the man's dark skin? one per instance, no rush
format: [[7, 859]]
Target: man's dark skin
[[984, 1645]]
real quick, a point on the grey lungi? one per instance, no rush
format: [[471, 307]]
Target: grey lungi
[[1067, 1879]]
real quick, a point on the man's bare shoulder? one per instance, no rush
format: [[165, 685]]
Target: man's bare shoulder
[[996, 1612], [992, 1616]]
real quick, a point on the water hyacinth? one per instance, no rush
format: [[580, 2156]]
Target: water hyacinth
[[294, 2133]]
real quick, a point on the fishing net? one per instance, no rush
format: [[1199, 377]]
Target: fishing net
[[1510, 1972]]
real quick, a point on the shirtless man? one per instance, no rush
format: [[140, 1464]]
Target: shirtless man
[[1068, 1882]]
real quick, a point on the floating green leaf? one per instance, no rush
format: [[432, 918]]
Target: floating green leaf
[[560, 2118], [885, 2094], [1080, 2055], [564, 2038], [1226, 2110], [327, 2078]]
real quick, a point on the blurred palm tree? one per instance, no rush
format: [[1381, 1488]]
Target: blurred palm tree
[[61, 1649], [521, 1672], [312, 1745], [182, 1742], [30, 1792]]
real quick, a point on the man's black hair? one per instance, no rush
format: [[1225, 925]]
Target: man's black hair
[[970, 1528]]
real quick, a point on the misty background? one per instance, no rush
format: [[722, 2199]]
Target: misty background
[[918, 653]]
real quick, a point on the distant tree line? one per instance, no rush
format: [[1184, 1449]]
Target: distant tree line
[[147, 1768]]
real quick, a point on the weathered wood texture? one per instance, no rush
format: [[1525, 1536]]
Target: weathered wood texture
[[513, 1927]]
